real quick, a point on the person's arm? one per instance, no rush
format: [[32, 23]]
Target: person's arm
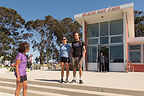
[[71, 52], [17, 70], [30, 60], [71, 55], [84, 51], [59, 56]]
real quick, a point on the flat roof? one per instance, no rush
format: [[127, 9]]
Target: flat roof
[[106, 14]]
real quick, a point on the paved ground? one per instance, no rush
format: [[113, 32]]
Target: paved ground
[[116, 80], [5, 94]]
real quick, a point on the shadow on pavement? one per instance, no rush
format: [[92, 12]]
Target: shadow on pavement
[[47, 80]]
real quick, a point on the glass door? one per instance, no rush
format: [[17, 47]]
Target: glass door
[[105, 51]]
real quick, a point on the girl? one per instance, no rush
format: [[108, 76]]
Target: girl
[[64, 57], [20, 68]]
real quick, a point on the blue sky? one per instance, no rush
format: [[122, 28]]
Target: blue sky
[[60, 9]]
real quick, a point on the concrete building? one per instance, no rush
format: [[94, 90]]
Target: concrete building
[[111, 30]]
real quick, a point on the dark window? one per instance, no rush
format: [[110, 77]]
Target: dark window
[[104, 40], [93, 30], [116, 27], [104, 29], [116, 53], [135, 53], [92, 54], [92, 41], [117, 39]]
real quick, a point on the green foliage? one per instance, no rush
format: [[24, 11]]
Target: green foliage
[[139, 23], [11, 23], [70, 26], [45, 35], [37, 59], [48, 34], [42, 31]]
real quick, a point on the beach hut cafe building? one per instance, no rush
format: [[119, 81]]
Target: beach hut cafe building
[[111, 30]]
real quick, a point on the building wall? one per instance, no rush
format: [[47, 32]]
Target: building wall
[[126, 13], [130, 19], [118, 67]]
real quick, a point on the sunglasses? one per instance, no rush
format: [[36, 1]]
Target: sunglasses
[[63, 39]]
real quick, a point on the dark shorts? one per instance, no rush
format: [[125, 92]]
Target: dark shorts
[[64, 59], [23, 78], [77, 62]]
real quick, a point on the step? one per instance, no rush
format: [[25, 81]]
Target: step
[[2, 71], [6, 94], [63, 91], [44, 89], [11, 91], [81, 87]]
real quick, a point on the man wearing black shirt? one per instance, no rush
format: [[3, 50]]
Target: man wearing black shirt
[[101, 60], [78, 52]]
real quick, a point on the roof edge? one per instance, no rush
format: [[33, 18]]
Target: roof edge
[[119, 7]]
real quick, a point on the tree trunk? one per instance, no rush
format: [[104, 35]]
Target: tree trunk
[[41, 61], [41, 55]]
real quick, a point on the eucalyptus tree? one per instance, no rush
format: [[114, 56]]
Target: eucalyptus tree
[[11, 27], [48, 34], [43, 34], [70, 26], [139, 23], [65, 27]]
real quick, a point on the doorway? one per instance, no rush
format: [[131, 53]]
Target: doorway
[[105, 50]]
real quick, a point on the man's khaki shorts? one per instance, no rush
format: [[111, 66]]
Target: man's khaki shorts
[[77, 62]]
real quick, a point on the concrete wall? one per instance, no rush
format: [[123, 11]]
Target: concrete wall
[[92, 66], [117, 67]]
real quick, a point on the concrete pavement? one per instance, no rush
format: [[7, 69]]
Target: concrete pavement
[[109, 82]]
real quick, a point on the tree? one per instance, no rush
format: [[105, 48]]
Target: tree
[[43, 35], [11, 26], [70, 26], [139, 23], [48, 34], [37, 59], [67, 27]]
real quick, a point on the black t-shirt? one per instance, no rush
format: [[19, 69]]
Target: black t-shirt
[[77, 48]]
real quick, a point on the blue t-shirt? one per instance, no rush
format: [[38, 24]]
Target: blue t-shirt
[[65, 51]]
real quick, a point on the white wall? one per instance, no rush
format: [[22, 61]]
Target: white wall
[[117, 67], [92, 66], [130, 18]]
